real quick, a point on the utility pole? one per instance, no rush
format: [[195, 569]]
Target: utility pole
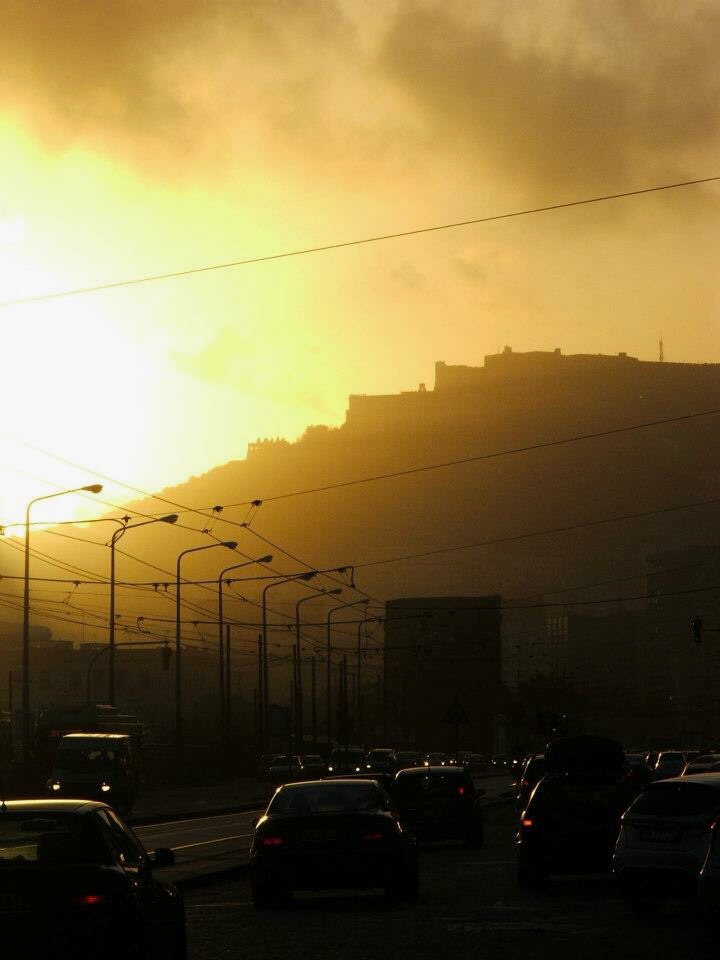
[[260, 711], [228, 688], [313, 705]]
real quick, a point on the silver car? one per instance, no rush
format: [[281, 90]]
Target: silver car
[[664, 839]]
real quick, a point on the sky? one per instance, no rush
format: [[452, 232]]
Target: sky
[[149, 136]]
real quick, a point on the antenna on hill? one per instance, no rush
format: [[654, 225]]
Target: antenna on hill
[[662, 350]]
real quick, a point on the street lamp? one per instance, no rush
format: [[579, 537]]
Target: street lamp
[[170, 518], [91, 488], [224, 664], [231, 545], [299, 731], [264, 691], [341, 606]]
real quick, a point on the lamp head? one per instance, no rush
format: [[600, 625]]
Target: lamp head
[[308, 576], [230, 544], [93, 488], [170, 518], [267, 559], [335, 592]]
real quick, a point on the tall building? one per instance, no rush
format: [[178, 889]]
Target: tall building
[[439, 650]]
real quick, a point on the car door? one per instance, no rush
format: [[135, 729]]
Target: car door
[[160, 909]]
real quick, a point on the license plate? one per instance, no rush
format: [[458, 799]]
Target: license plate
[[318, 835], [12, 903], [660, 836]]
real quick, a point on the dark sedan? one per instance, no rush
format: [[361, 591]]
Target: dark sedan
[[76, 882], [439, 803], [331, 835]]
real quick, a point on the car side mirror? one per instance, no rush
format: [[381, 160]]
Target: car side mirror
[[163, 857]]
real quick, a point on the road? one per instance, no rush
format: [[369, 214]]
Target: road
[[470, 906], [207, 844]]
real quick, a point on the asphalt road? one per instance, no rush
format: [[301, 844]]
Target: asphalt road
[[470, 906], [205, 845]]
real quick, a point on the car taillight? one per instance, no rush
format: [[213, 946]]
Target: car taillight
[[526, 822], [461, 791], [90, 899], [272, 841], [525, 784], [375, 835]]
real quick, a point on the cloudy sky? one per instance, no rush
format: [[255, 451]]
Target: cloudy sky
[[147, 136]]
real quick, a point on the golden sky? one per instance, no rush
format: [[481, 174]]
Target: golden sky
[[144, 136]]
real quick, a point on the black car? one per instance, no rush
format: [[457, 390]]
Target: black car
[[439, 803], [532, 772], [76, 882], [347, 760], [572, 819], [381, 760], [330, 835]]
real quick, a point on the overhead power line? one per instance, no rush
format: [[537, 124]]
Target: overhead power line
[[324, 248]]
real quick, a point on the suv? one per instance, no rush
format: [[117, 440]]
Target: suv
[[572, 819], [440, 803]]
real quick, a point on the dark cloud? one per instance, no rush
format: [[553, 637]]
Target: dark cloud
[[564, 94], [574, 93]]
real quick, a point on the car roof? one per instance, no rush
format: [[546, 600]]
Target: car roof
[[410, 771], [331, 780], [96, 736], [51, 806], [709, 779]]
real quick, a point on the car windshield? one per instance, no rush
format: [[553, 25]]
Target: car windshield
[[327, 797], [86, 759], [355, 757], [28, 839], [681, 799]]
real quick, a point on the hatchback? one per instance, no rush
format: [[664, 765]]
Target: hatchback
[[664, 839]]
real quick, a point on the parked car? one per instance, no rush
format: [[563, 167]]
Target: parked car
[[572, 819], [664, 839], [670, 763], [532, 772], [265, 761], [640, 774], [76, 882], [381, 760], [440, 803], [329, 835], [436, 760]]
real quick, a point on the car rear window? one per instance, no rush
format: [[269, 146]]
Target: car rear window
[[436, 785], [569, 796], [39, 839], [327, 797], [688, 799]]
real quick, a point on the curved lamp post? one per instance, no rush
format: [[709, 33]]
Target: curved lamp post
[[231, 545], [224, 663], [341, 606], [91, 488], [171, 518], [299, 731], [264, 691]]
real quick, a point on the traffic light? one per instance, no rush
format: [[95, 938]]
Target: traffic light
[[166, 655], [697, 629]]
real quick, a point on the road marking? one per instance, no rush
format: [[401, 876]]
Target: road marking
[[205, 843], [230, 903], [217, 816]]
